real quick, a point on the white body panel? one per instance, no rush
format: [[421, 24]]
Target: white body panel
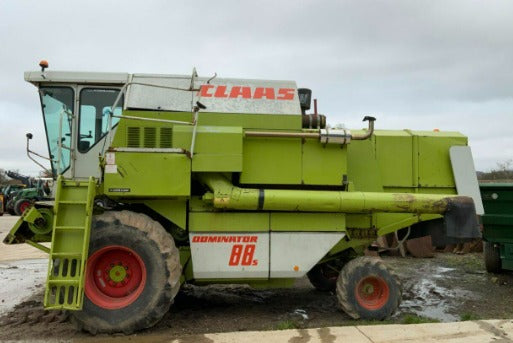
[[219, 96], [293, 254], [252, 255], [465, 175], [230, 255], [252, 96]]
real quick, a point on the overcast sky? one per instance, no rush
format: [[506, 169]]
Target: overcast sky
[[412, 64]]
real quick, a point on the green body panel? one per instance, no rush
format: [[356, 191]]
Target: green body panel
[[73, 211], [174, 210], [245, 121], [149, 174], [434, 166], [217, 148], [308, 221], [332, 160], [403, 161], [272, 161], [228, 222]]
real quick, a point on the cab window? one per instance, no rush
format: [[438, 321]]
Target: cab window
[[95, 105], [57, 104]]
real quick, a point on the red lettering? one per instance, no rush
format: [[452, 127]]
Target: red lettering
[[244, 92], [236, 255], [204, 91], [247, 257], [261, 92], [195, 239], [221, 92], [253, 239], [286, 93]]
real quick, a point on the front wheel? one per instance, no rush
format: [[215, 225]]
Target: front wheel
[[132, 274], [367, 289]]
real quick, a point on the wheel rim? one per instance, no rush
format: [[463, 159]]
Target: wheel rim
[[115, 277], [23, 206], [372, 292]]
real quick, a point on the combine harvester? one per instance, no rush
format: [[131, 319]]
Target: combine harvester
[[163, 180]]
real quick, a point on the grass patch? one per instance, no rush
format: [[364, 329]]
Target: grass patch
[[286, 325], [469, 316], [411, 319]]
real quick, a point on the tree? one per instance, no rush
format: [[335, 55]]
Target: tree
[[3, 177], [503, 172]]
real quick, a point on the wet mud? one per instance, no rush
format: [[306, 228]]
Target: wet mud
[[445, 288]]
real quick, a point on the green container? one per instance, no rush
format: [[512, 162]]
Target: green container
[[498, 219]]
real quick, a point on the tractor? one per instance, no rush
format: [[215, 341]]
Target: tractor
[[166, 180]]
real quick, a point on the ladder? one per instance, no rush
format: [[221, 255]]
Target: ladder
[[73, 210]]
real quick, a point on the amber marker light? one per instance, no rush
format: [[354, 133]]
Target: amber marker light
[[43, 64]]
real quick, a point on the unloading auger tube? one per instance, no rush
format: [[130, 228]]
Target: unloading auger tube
[[459, 211]]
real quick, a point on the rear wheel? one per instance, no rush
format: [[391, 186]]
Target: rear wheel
[[132, 275], [367, 289], [20, 206], [492, 257]]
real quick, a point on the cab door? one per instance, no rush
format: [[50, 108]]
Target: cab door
[[94, 107]]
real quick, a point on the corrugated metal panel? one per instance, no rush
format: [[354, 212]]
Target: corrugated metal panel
[[220, 96]]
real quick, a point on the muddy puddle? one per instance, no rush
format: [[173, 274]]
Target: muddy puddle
[[428, 298]]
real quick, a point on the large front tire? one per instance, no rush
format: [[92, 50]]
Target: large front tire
[[367, 289], [132, 275]]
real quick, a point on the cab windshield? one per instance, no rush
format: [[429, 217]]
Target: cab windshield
[[57, 102]]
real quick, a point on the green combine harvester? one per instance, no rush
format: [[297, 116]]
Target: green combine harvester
[[163, 180]]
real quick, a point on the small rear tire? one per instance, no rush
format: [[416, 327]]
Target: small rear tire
[[132, 274], [367, 289], [492, 257]]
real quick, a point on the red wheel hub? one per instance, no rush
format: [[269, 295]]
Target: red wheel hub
[[23, 206], [372, 292], [115, 277]]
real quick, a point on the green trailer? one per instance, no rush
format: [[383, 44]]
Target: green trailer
[[163, 180], [498, 226]]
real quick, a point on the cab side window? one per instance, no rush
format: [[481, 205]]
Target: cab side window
[[95, 104]]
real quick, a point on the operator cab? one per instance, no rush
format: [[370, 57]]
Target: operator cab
[[76, 109]]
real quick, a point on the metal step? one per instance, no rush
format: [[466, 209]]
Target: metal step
[[70, 244]]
